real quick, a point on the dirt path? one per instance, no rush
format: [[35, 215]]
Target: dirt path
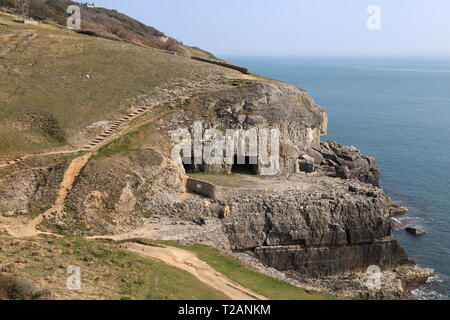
[[189, 262], [71, 173]]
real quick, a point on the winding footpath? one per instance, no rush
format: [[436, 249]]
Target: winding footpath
[[29, 229], [189, 262]]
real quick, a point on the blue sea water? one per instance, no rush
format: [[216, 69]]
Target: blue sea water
[[398, 111]]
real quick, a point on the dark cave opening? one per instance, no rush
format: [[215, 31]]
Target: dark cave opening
[[245, 168], [189, 165]]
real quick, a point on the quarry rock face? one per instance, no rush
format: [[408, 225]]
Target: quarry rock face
[[332, 260], [30, 190], [318, 232], [338, 222], [263, 105], [331, 218]]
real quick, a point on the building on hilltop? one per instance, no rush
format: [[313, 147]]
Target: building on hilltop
[[89, 5]]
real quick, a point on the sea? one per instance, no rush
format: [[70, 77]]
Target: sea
[[396, 109]]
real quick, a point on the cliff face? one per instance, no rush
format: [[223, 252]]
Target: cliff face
[[322, 215], [259, 105], [329, 217], [30, 191], [330, 227]]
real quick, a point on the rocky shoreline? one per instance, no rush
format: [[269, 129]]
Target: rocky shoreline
[[396, 284]]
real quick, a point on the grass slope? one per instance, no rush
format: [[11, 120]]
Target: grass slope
[[107, 272], [71, 81], [247, 277], [106, 22]]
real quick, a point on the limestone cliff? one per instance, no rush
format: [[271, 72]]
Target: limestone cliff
[[322, 215], [328, 228], [259, 105]]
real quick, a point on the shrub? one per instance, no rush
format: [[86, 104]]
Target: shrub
[[13, 288], [121, 32]]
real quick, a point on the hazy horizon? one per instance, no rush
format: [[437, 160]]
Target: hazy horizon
[[299, 27]]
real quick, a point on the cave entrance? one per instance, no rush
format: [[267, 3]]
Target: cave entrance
[[247, 168], [190, 166]]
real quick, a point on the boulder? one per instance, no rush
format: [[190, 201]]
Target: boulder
[[348, 163], [415, 231], [343, 172], [288, 149], [316, 155], [22, 212], [397, 209], [306, 164]]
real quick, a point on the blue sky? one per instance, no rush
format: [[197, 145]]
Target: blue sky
[[298, 27]]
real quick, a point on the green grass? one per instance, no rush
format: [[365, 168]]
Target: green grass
[[44, 69], [119, 146], [143, 138], [269, 287], [107, 271]]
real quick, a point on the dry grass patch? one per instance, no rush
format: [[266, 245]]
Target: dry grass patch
[[107, 271]]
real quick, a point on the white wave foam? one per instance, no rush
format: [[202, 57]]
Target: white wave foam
[[429, 291]]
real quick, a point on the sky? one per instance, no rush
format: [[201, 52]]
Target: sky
[[299, 27]]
